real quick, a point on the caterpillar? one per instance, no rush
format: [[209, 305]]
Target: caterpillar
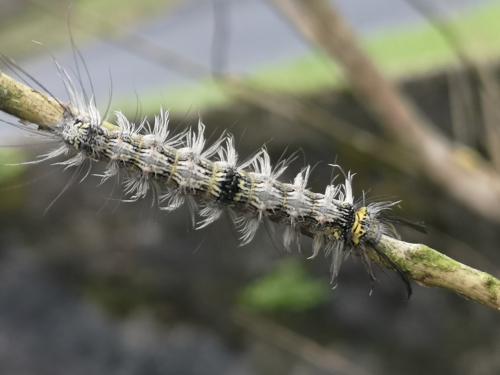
[[182, 168]]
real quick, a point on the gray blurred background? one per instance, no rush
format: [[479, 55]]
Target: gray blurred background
[[97, 286]]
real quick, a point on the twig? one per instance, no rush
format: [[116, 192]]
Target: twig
[[30, 105], [300, 346], [27, 104], [423, 264], [429, 267]]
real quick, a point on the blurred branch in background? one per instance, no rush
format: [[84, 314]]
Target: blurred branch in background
[[489, 90], [300, 346], [423, 264], [288, 107], [131, 41], [457, 168], [312, 116], [339, 331]]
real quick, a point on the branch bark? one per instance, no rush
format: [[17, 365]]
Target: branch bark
[[28, 104], [430, 268], [424, 265], [457, 169]]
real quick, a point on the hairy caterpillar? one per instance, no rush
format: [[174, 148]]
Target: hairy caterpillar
[[179, 168]]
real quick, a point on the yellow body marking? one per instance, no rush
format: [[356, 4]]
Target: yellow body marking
[[358, 229], [212, 183]]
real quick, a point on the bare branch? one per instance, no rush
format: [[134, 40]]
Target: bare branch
[[430, 268], [320, 357], [27, 104], [423, 264]]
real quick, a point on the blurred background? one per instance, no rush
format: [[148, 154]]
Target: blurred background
[[96, 286]]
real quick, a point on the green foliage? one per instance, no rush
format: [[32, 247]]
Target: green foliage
[[8, 171], [288, 288], [182, 98], [400, 52], [88, 18], [12, 196]]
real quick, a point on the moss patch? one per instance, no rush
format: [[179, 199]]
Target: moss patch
[[428, 258], [492, 284]]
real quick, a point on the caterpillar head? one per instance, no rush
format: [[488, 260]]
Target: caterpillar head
[[368, 224], [368, 227]]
